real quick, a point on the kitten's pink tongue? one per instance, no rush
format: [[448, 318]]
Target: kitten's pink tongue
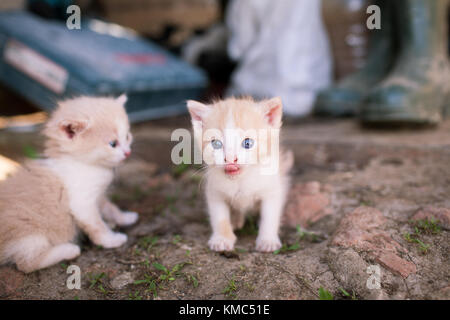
[[231, 169]]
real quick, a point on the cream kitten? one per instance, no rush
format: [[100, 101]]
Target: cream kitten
[[239, 143], [43, 205]]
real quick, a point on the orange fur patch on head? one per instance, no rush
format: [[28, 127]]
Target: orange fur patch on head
[[84, 126], [246, 114], [250, 117]]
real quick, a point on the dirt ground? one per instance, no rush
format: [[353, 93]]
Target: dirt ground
[[375, 182]]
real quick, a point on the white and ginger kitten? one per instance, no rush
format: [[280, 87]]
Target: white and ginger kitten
[[246, 170], [44, 204]]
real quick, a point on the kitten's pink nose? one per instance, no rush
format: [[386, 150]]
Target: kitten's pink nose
[[127, 154], [228, 159]]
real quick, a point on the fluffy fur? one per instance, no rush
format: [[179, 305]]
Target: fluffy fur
[[44, 204], [240, 179]]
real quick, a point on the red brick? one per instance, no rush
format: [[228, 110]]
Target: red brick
[[306, 204]]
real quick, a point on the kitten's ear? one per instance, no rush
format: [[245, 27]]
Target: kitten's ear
[[273, 111], [72, 128], [197, 110], [122, 99]]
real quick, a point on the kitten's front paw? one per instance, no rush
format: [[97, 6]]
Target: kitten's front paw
[[128, 218], [221, 243], [112, 240], [268, 244]]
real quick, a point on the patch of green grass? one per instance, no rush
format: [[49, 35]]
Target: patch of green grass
[[147, 242], [421, 227], [30, 152], [324, 294], [250, 227], [249, 286], [115, 197], [96, 282], [413, 238], [192, 279], [176, 239], [286, 248], [179, 169], [135, 296], [146, 263], [301, 235], [423, 246], [348, 295], [428, 226], [230, 289], [169, 274], [307, 235], [366, 203], [95, 278], [150, 284]]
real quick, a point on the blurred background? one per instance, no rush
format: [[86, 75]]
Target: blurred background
[[365, 87], [319, 56]]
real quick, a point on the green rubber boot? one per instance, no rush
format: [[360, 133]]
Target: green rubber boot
[[345, 97], [417, 88]]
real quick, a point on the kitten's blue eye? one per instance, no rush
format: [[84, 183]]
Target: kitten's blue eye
[[248, 143], [216, 144], [113, 143]]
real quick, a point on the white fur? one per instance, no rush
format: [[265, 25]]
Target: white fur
[[242, 193], [87, 138], [86, 184], [259, 180], [37, 248]]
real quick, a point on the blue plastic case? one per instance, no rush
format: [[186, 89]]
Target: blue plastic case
[[44, 61]]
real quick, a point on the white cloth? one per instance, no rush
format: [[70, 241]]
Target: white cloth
[[282, 50]]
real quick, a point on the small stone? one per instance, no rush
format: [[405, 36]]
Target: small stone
[[306, 204], [358, 228], [440, 214], [362, 231], [349, 269], [122, 280], [396, 264]]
